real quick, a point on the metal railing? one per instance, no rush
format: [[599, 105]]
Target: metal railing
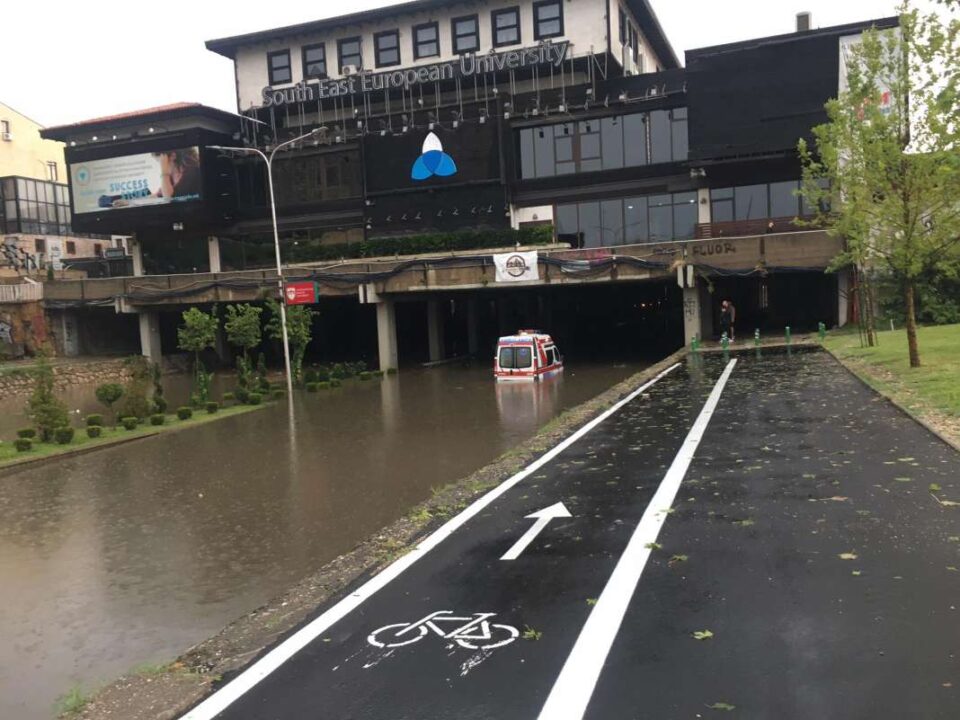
[[25, 292]]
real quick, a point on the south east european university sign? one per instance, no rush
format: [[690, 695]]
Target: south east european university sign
[[465, 67]]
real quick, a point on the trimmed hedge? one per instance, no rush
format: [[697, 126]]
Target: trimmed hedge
[[94, 431], [212, 407], [323, 385], [95, 420], [23, 444], [391, 371], [335, 382], [158, 419], [364, 376], [27, 433], [184, 413], [277, 393], [63, 435], [255, 399], [377, 373], [129, 423], [312, 386], [229, 397]]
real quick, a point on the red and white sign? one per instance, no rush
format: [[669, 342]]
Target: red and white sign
[[300, 293]]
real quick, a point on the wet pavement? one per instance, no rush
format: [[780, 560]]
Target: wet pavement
[[130, 555], [806, 567]]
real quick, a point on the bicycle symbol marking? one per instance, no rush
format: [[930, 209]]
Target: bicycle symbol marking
[[475, 633]]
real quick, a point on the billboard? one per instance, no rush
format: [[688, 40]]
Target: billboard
[[145, 179]]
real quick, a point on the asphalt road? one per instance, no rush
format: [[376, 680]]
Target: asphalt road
[[804, 569]]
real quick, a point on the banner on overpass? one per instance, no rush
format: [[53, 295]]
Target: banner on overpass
[[517, 266]]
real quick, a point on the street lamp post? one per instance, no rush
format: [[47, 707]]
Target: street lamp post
[[268, 159]]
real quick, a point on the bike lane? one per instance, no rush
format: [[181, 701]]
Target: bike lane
[[820, 550], [605, 480]]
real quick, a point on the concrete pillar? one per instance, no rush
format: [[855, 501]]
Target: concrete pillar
[[136, 253], [691, 314], [387, 334], [69, 334], [706, 311], [150, 336], [703, 206], [213, 251], [473, 341], [435, 329]]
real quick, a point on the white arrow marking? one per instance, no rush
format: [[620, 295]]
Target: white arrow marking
[[543, 518]]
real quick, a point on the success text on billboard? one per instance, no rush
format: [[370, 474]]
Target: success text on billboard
[[141, 180]]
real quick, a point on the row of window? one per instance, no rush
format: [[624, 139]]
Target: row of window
[[628, 221], [34, 206], [606, 143], [758, 202], [630, 37], [464, 38]]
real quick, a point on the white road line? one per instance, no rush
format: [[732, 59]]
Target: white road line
[[232, 691], [574, 686]]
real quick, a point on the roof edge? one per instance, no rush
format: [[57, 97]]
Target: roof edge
[[136, 117]]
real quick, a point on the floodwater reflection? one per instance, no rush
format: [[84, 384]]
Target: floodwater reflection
[[132, 554]]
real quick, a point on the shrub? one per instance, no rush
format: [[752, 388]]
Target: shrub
[[364, 376], [338, 372], [377, 373], [357, 367], [323, 374], [27, 433], [311, 376], [108, 394], [46, 410], [228, 397], [159, 404], [264, 385], [184, 412], [212, 407], [95, 420], [255, 399], [243, 395], [312, 386], [323, 385], [94, 431], [277, 393], [63, 435], [129, 423], [335, 382], [134, 402], [23, 444], [391, 371], [158, 419]]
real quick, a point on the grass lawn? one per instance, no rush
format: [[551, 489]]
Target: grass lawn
[[110, 436], [935, 386]]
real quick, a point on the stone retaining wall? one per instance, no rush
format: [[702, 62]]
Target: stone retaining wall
[[19, 381]]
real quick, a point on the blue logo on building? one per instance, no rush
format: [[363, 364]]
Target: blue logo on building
[[433, 161]]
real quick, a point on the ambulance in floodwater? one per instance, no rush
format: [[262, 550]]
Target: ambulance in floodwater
[[528, 356]]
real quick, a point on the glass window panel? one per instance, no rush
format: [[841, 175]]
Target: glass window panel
[[590, 146], [315, 61], [21, 188], [567, 222], [590, 224], [722, 211], [425, 41], [591, 165], [611, 134], [528, 168], [465, 35], [566, 168], [612, 222], [751, 202], [548, 20], [543, 149], [10, 209], [783, 199], [661, 150], [635, 220], [684, 215], [661, 218], [680, 143], [635, 140], [564, 148]]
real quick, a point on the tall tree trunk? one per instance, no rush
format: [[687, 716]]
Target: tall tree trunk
[[911, 326]]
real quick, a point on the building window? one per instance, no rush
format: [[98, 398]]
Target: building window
[[39, 245], [386, 46], [426, 41], [758, 202], [622, 20], [5, 129], [547, 19], [52, 171], [71, 247], [466, 34], [506, 26], [350, 52], [628, 221], [314, 61], [278, 63], [608, 143], [98, 250]]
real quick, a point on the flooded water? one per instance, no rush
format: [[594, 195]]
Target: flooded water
[[130, 555]]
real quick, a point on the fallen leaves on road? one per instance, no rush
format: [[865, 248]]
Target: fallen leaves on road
[[702, 635], [722, 706], [848, 556]]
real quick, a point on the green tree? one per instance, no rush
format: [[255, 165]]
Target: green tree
[[135, 402], [44, 408], [107, 394], [243, 327], [885, 169], [198, 333], [299, 331]]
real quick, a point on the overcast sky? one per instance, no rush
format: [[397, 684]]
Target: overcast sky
[[68, 60]]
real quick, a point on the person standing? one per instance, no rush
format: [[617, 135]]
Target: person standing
[[726, 319]]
